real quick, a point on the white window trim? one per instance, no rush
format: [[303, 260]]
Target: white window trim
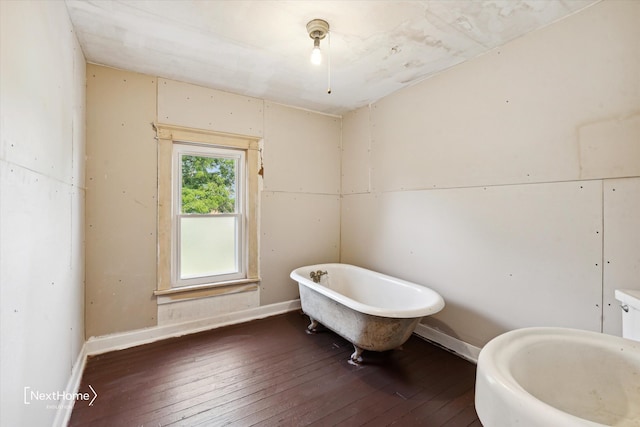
[[187, 148], [167, 136]]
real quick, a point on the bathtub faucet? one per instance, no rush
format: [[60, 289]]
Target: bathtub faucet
[[316, 275]]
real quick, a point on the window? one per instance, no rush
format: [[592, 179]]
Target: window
[[207, 211], [208, 219]]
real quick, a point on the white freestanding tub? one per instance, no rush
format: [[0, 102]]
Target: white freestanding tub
[[541, 377], [371, 310]]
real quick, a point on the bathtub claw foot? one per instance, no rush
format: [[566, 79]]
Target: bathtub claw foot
[[313, 327], [356, 357]]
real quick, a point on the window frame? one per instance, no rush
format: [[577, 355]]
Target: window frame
[[168, 136]]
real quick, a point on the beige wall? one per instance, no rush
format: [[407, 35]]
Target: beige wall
[[301, 196], [486, 181], [121, 202], [299, 200], [42, 146]]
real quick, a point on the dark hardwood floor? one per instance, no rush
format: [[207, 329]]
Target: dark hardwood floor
[[271, 373]]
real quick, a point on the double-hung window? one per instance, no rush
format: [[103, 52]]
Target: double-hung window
[[207, 211], [209, 214]]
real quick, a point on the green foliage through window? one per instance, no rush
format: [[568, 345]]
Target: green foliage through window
[[208, 185]]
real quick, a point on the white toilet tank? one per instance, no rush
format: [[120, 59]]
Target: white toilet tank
[[630, 302]]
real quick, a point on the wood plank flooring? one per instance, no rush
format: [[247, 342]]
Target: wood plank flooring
[[269, 372]]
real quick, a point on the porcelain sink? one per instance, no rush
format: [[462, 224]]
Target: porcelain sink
[[542, 377]]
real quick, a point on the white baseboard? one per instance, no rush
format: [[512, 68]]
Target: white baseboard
[[63, 414], [120, 341], [461, 348]]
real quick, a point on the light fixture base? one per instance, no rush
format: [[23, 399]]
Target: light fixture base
[[317, 28]]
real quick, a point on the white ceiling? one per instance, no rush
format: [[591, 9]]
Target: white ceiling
[[261, 48]]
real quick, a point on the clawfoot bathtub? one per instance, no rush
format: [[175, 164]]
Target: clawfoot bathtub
[[371, 310]]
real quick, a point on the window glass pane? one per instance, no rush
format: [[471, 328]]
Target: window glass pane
[[208, 184], [207, 246]]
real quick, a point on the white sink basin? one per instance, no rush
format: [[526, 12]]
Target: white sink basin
[[542, 377]]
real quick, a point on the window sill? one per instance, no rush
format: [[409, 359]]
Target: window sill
[[206, 290]]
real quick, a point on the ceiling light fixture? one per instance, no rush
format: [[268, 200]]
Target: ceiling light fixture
[[318, 29]]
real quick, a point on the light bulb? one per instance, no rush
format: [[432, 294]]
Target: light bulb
[[316, 55]]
